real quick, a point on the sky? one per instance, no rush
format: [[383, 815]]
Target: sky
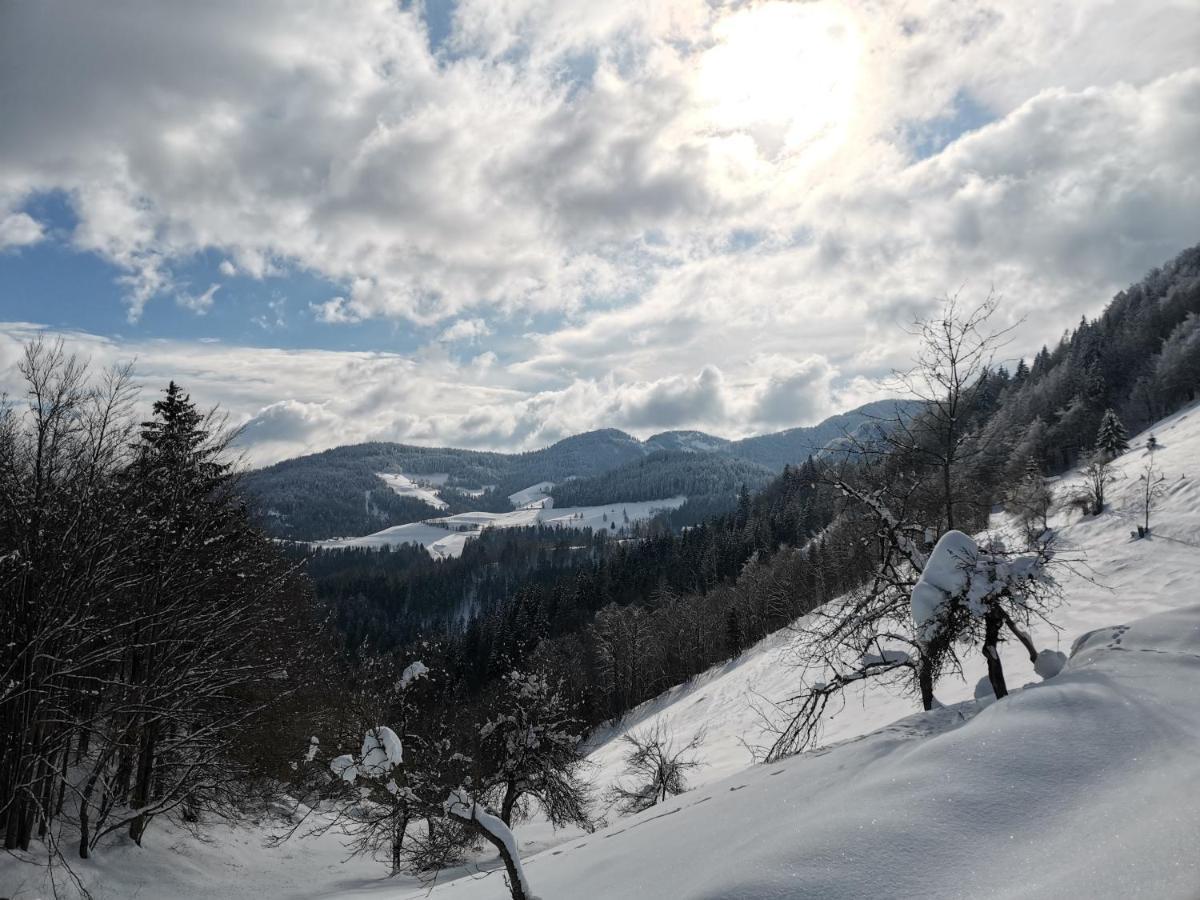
[[496, 223]]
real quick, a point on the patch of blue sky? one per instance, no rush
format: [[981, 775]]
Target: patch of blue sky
[[741, 239], [931, 136], [55, 284], [439, 21]]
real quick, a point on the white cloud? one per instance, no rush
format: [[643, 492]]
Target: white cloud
[[198, 303], [466, 330], [336, 311], [18, 230], [716, 204]]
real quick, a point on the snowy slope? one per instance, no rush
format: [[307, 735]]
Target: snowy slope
[[534, 494], [405, 486], [1115, 579], [1080, 786], [446, 536], [1083, 786]]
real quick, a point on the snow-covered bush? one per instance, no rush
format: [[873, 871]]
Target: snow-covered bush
[[966, 590]]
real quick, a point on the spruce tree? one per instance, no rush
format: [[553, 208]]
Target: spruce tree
[[1111, 439]]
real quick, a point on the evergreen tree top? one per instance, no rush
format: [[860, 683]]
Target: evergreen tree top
[[1111, 439]]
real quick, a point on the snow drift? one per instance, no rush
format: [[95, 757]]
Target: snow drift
[[1081, 786]]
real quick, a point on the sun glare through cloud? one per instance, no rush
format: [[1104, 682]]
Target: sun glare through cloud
[[784, 73]]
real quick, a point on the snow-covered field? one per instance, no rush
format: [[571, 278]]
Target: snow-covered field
[[534, 494], [1084, 785], [446, 536]]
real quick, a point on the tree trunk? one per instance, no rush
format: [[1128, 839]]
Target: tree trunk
[[991, 651], [515, 882], [925, 680], [141, 788], [399, 829], [511, 795]]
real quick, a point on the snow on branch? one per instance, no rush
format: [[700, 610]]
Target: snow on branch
[[462, 807]]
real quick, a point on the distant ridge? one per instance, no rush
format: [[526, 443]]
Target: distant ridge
[[338, 492]]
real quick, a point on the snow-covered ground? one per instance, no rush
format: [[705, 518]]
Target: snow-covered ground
[[534, 494], [408, 486], [1080, 786], [1084, 785], [1115, 579], [446, 536]]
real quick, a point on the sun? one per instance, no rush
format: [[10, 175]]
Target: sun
[[783, 73]]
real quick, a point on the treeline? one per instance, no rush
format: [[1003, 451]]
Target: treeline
[[1140, 358], [664, 474], [151, 638]]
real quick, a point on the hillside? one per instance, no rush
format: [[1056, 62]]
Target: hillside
[[1077, 786], [341, 492], [665, 473], [345, 492], [693, 441]]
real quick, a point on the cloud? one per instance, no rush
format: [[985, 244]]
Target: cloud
[[336, 311], [198, 303], [466, 330], [616, 206], [793, 391], [560, 152], [673, 401], [18, 230]]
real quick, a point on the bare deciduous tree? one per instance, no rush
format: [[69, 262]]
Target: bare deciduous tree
[[657, 767]]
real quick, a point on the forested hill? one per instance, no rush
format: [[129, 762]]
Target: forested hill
[[339, 492], [662, 474]]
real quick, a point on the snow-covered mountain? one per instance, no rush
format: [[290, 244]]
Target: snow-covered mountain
[[359, 490]]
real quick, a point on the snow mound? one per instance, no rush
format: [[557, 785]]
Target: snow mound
[[1049, 663]]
